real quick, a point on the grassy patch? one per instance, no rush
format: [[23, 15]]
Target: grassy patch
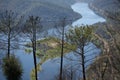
[[50, 48], [53, 48]]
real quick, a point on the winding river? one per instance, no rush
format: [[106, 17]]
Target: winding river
[[51, 67]]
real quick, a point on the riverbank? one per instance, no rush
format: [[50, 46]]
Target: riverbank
[[88, 16]]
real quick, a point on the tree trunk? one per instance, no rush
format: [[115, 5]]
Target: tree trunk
[[61, 64], [8, 41], [62, 50], [83, 64], [35, 62], [34, 50]]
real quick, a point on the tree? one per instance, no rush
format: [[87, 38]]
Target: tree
[[106, 66], [31, 29], [68, 74], [81, 37], [60, 29], [12, 68], [10, 27], [62, 47]]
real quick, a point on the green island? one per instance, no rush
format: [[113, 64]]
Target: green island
[[48, 48]]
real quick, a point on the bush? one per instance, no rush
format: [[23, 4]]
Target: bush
[[12, 68]]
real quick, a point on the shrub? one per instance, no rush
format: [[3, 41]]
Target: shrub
[[12, 68]]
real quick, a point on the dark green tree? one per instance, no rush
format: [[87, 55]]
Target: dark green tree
[[12, 68]]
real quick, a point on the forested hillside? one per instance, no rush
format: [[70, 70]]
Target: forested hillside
[[27, 7], [109, 9], [48, 10], [107, 65]]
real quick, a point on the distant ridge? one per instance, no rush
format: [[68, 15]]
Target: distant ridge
[[46, 9]]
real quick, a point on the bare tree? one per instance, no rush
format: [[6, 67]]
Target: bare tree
[[68, 73], [60, 28], [62, 47], [10, 27], [31, 29]]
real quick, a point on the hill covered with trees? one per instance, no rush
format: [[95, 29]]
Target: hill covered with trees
[[106, 66], [48, 10]]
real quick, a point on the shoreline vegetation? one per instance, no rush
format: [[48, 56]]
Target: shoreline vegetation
[[48, 48]]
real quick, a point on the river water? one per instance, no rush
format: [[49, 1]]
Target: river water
[[51, 67]]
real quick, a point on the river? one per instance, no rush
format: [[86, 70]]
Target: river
[[51, 67]]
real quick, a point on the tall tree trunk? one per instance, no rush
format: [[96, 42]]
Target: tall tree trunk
[[71, 76], [9, 43], [62, 50], [35, 62], [34, 50], [83, 64]]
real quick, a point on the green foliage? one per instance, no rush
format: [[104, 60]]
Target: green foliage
[[12, 68], [27, 50], [80, 35], [52, 48], [32, 74]]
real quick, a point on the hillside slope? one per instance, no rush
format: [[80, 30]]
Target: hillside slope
[[106, 8], [109, 9], [46, 9], [106, 65]]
